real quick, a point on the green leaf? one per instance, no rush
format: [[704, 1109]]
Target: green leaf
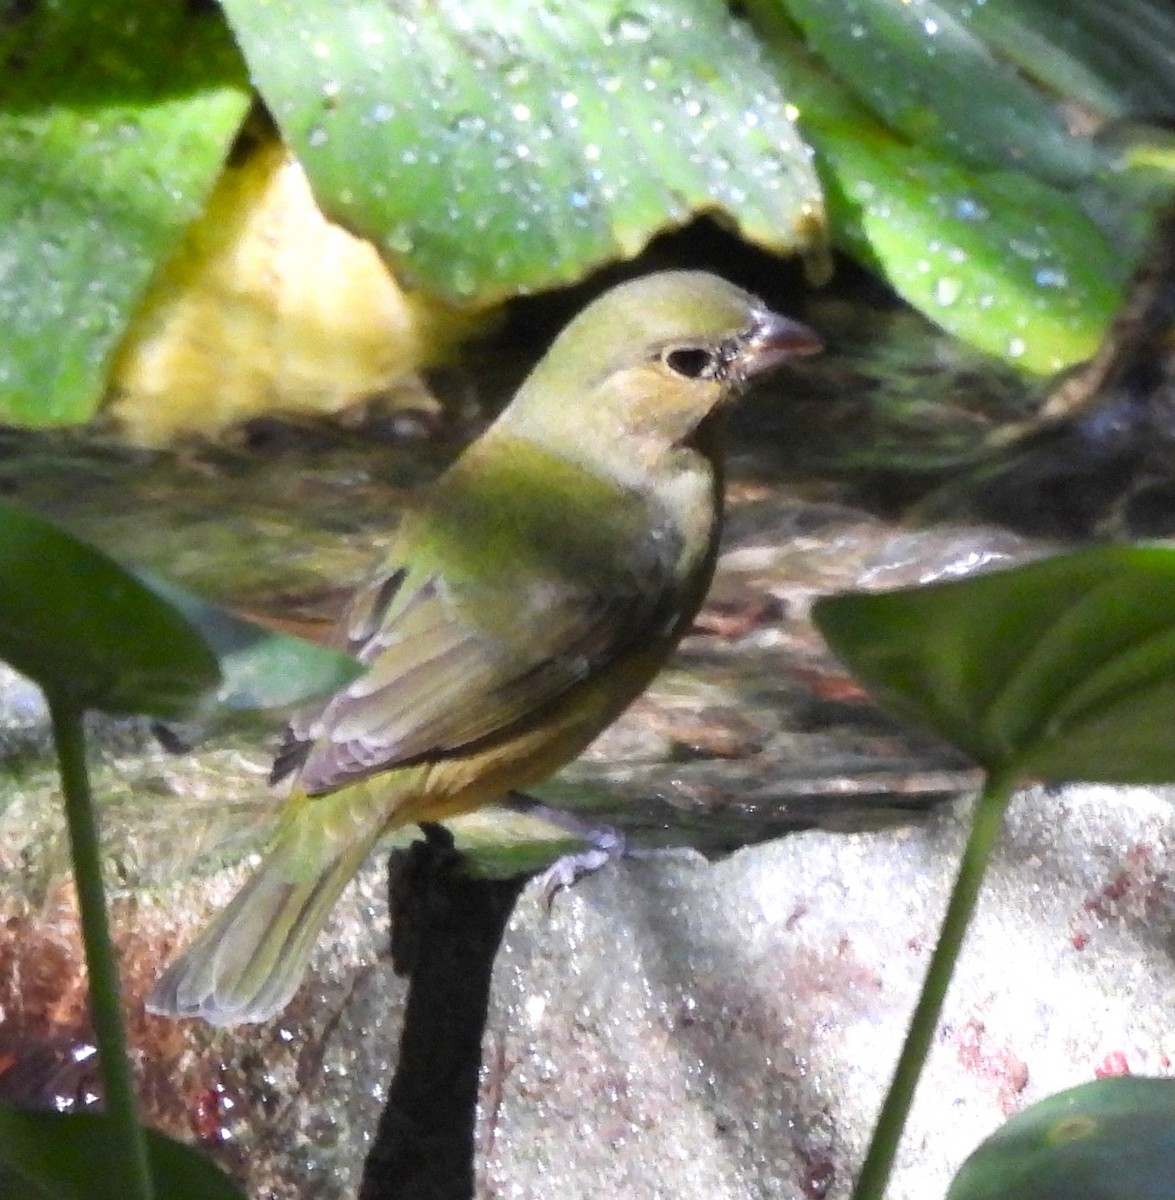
[[105, 637], [87, 631], [1000, 259], [1113, 1139], [73, 1156], [492, 148], [260, 668], [1111, 59], [1061, 669], [1006, 261], [115, 117], [922, 69]]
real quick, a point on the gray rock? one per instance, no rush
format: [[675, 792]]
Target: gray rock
[[688, 1030]]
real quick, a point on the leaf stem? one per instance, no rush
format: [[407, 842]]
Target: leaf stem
[[101, 965], [981, 839]]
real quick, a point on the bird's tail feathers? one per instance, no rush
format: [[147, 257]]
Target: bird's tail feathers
[[246, 966]]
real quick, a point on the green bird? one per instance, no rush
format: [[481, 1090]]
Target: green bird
[[527, 600]]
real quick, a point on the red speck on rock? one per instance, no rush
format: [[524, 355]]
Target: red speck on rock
[[1113, 1064], [1000, 1064], [214, 1112], [1113, 891]]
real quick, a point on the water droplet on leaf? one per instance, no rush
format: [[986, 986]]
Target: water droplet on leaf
[[947, 290], [630, 27]]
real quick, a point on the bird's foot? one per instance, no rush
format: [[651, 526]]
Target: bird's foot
[[568, 869], [604, 845]]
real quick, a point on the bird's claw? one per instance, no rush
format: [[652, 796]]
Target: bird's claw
[[569, 868]]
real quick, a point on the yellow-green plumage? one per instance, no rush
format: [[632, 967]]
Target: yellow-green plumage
[[526, 601]]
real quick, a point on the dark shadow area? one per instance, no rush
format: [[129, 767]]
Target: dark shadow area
[[446, 931]]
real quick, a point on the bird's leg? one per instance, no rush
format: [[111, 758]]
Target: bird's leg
[[605, 844]]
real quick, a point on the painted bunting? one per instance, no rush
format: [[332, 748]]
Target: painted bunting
[[526, 601]]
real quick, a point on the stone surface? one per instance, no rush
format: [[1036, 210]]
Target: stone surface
[[675, 1028], [727, 1030]]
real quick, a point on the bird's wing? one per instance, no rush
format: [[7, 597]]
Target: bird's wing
[[439, 682]]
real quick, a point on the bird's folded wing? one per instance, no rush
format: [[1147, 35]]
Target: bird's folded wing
[[438, 682]]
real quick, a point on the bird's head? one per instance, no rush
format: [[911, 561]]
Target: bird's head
[[649, 360]]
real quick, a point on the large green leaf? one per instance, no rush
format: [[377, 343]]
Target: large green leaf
[[1061, 669], [492, 148], [923, 69], [90, 633], [1111, 59], [1000, 259], [74, 1156], [1113, 1139], [997, 257], [115, 117]]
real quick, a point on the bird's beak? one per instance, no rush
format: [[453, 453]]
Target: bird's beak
[[773, 340]]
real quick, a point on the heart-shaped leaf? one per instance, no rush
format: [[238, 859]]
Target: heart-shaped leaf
[[1110, 59], [87, 631], [926, 72], [1003, 258], [1061, 669], [91, 632]]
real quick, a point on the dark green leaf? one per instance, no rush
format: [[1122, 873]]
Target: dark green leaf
[[1111, 59], [492, 148], [87, 631], [923, 69], [260, 668], [1113, 1139], [1061, 669], [999, 258], [115, 117], [1003, 259], [73, 1156]]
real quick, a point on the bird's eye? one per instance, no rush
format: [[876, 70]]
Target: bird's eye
[[691, 362]]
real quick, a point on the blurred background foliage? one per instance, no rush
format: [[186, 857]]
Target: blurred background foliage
[[208, 212]]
